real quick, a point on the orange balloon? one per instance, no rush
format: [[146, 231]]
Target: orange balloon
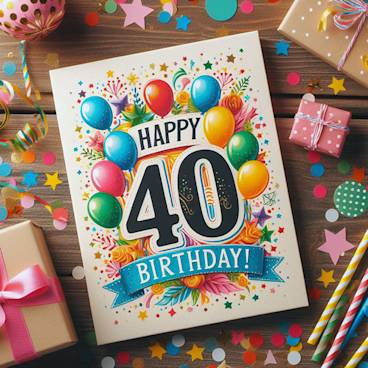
[[253, 179], [219, 125]]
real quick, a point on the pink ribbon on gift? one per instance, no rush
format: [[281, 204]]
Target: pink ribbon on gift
[[319, 123], [350, 12], [29, 288]]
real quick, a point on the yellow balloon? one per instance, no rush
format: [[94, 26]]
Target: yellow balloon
[[253, 179], [219, 125]]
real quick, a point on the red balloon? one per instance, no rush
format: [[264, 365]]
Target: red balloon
[[159, 97]]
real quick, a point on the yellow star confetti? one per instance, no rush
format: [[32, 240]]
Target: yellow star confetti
[[337, 85], [157, 351], [163, 67], [98, 255], [326, 277], [110, 74], [142, 315], [196, 353], [53, 180], [132, 78]]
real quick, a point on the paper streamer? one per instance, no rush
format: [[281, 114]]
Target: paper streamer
[[27, 80], [358, 355]]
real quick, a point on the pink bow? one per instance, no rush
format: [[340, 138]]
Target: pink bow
[[350, 12], [30, 287]]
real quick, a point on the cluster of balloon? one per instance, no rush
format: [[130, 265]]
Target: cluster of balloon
[[159, 97], [107, 176]]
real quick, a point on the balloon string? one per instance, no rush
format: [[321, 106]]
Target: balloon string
[[26, 77]]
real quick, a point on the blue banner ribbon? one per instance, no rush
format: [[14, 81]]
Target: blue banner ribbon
[[167, 266]]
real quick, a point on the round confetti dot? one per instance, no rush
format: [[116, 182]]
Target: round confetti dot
[[351, 199], [92, 19], [107, 362], [314, 156], [27, 201], [256, 340], [293, 78], [138, 363], [331, 215], [122, 357], [78, 273], [5, 169], [294, 358], [59, 225], [295, 330], [164, 17], [317, 170], [293, 341], [218, 355], [247, 7], [210, 344], [29, 157], [9, 68], [3, 213], [221, 10], [48, 158], [178, 340], [110, 7], [172, 349], [298, 347], [16, 157], [249, 357], [309, 97], [320, 191], [278, 340], [343, 167]]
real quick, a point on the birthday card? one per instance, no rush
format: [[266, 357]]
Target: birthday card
[[178, 188]]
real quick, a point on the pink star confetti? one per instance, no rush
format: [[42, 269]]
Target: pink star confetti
[[135, 13], [335, 245]]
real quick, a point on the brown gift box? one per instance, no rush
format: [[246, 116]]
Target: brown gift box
[[50, 326], [300, 25]]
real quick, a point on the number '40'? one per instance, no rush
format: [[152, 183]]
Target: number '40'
[[201, 201]]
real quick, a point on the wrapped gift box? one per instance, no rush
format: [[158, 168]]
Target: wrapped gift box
[[37, 320], [320, 127], [301, 26]]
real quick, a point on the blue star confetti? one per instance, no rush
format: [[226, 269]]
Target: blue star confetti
[[182, 23], [282, 48], [30, 179]]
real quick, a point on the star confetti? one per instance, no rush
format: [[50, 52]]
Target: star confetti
[[337, 85], [30, 179], [335, 245], [282, 48], [266, 235], [196, 353], [157, 351], [53, 180], [261, 216], [326, 277], [182, 23], [135, 13]]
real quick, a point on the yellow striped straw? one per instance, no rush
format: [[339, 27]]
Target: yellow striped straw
[[339, 291], [358, 355]]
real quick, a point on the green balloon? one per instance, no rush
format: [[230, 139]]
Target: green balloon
[[105, 210], [242, 147]]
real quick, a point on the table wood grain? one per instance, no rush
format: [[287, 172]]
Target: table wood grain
[[74, 42]]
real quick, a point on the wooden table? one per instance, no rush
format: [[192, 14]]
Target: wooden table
[[75, 43]]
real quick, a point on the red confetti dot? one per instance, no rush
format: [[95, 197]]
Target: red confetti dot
[[314, 156], [278, 340], [256, 340], [295, 330], [92, 19], [123, 357], [320, 191], [249, 357], [48, 158], [293, 78], [247, 7]]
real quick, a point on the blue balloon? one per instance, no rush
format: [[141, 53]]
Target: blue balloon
[[96, 112], [120, 148], [205, 92]]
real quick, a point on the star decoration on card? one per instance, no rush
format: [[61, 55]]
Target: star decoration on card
[[163, 67], [255, 297], [109, 74], [157, 351], [266, 234], [326, 277], [335, 245], [82, 93], [230, 58], [182, 23], [358, 174], [269, 199], [30, 179], [228, 305], [119, 104], [142, 315], [135, 13], [337, 85], [207, 65], [282, 48], [237, 337], [53, 180], [196, 353], [261, 216], [172, 312], [132, 78]]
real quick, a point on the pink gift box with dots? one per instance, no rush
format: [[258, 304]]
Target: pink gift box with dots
[[321, 128]]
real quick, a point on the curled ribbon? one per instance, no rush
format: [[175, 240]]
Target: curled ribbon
[[31, 133], [346, 14], [319, 123], [31, 287]]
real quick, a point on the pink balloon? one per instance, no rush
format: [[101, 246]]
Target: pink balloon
[[107, 177]]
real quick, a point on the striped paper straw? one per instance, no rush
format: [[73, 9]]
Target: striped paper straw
[[27, 80], [327, 336], [346, 323], [339, 291], [358, 355]]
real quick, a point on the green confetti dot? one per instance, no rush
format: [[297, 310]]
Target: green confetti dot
[[351, 199], [110, 6], [343, 167]]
